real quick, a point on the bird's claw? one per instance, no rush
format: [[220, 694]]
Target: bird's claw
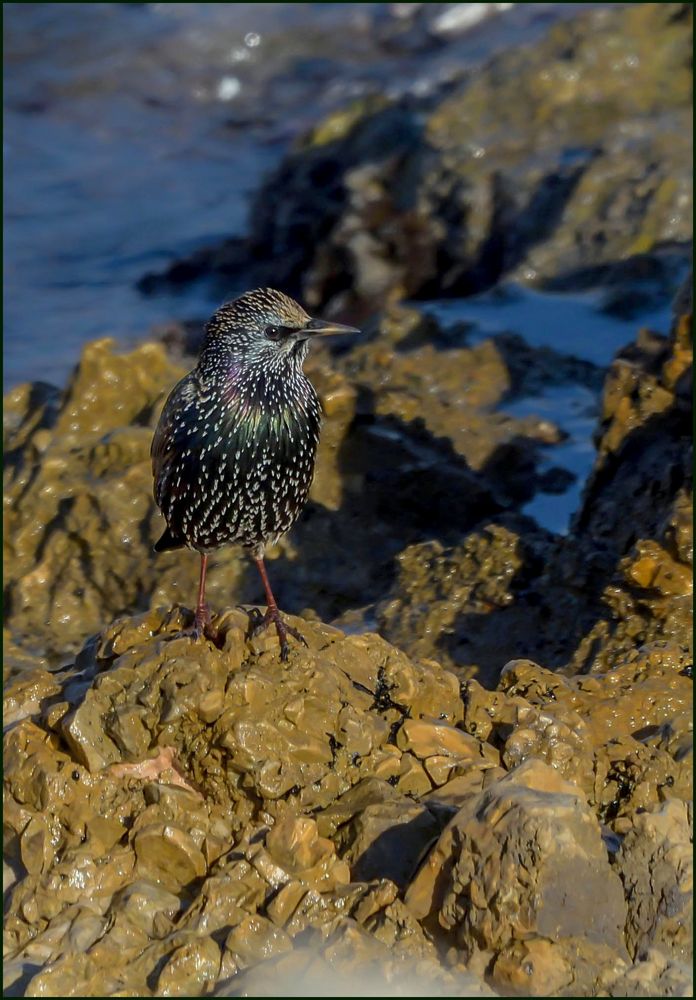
[[258, 622], [201, 628], [194, 633]]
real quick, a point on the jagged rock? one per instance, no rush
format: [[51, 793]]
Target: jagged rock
[[193, 819], [178, 812], [551, 163], [525, 867], [655, 863], [655, 975], [622, 737], [80, 519], [615, 583]]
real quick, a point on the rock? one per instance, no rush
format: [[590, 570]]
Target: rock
[[133, 871], [655, 975], [253, 940], [387, 840], [492, 791], [439, 589], [655, 863], [29, 694], [71, 539], [190, 969], [440, 196], [367, 792], [167, 855], [79, 544], [613, 735], [544, 900], [412, 371], [294, 843], [149, 906], [257, 819], [616, 583]]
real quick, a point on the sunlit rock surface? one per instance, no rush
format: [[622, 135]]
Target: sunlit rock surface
[[187, 817]]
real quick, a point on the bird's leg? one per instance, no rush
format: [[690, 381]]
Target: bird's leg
[[201, 618], [273, 614]]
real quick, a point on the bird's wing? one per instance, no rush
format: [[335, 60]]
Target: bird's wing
[[171, 432]]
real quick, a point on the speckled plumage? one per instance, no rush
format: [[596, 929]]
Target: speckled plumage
[[233, 454]]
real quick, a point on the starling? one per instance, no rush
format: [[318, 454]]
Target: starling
[[233, 453]]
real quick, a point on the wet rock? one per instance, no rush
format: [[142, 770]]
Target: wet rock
[[644, 458], [645, 410], [654, 975], [294, 843], [74, 541], [189, 818], [440, 590], [412, 371], [31, 693], [446, 197], [167, 855], [615, 583], [367, 792], [149, 907], [17, 661], [201, 827], [551, 911], [655, 863], [190, 969], [81, 521], [623, 737], [388, 840], [279, 809]]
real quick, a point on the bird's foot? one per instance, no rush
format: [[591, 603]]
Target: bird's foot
[[259, 622], [201, 627]]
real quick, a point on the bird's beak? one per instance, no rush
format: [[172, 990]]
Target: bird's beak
[[326, 328]]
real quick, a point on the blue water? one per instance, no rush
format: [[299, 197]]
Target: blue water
[[574, 408], [135, 134], [569, 324], [573, 324]]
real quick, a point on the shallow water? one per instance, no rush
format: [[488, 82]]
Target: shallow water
[[575, 409], [573, 325], [135, 133]]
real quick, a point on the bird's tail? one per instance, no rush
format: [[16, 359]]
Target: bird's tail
[[169, 541]]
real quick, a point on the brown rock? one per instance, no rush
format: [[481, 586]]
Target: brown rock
[[387, 840], [655, 975], [524, 861], [655, 863], [168, 855], [190, 970]]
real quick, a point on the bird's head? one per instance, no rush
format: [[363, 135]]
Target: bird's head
[[265, 327]]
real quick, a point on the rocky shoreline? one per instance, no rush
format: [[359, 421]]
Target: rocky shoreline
[[476, 779], [565, 165], [185, 819]]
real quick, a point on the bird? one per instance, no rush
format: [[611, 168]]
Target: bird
[[234, 450]]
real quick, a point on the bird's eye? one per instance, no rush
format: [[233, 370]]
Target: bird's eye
[[278, 332]]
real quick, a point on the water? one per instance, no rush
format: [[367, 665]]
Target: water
[[134, 133], [570, 324], [575, 409]]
